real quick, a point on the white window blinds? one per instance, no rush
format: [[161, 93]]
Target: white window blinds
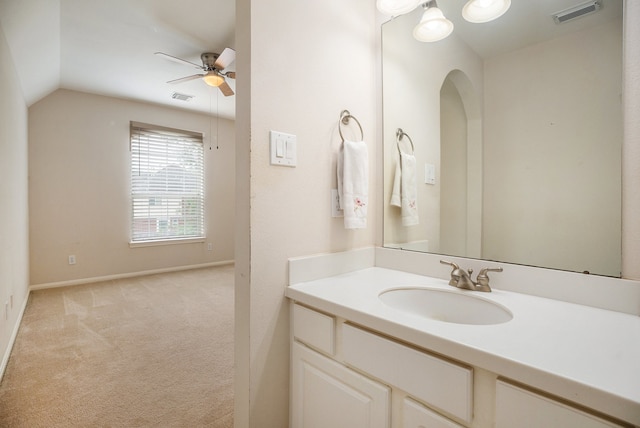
[[167, 183]]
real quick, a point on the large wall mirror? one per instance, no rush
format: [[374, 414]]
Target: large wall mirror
[[515, 127]]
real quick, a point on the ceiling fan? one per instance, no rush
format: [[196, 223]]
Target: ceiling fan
[[212, 65]]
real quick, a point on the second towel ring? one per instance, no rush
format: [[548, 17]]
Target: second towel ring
[[345, 116], [399, 135]]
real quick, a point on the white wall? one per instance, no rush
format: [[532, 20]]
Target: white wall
[[299, 65], [14, 210], [79, 188], [560, 140], [631, 147]]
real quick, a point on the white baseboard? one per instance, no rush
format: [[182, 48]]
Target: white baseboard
[[125, 275], [12, 339]]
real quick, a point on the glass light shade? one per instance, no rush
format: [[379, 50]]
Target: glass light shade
[[396, 7], [213, 79], [433, 26], [478, 11]]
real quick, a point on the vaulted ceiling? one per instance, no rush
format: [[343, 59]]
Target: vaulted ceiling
[[107, 48]]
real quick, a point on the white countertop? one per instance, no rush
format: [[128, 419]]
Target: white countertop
[[586, 355]]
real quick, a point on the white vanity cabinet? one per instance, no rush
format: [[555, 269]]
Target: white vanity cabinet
[[345, 376], [325, 393], [519, 407], [446, 374]]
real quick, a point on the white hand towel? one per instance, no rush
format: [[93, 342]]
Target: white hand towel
[[353, 183], [395, 193], [404, 194]]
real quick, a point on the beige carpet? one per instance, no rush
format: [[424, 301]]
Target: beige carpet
[[152, 351]]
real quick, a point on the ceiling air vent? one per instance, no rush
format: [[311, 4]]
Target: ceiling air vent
[[577, 11], [181, 97]]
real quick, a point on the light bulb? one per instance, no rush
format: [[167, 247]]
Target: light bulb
[[396, 7], [479, 11], [213, 79], [433, 26]]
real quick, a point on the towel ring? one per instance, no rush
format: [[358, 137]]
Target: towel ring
[[344, 118], [399, 135]]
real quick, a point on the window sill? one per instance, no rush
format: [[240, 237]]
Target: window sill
[[139, 244]]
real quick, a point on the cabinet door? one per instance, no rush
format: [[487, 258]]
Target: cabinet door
[[416, 415], [326, 394], [518, 407]]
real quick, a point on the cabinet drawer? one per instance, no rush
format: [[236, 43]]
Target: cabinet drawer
[[415, 415], [519, 407], [441, 384], [314, 329]]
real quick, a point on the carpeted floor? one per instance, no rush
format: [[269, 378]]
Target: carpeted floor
[[152, 351]]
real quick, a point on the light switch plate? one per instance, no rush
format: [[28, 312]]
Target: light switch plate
[[429, 173], [283, 149]]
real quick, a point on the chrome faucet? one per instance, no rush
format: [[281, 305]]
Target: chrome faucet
[[462, 279]]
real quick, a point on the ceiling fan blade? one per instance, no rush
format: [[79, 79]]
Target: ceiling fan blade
[[227, 56], [226, 89], [178, 60], [186, 79], [231, 74]]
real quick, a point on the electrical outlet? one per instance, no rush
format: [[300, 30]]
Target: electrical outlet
[[11, 302], [6, 310], [72, 260], [209, 246]]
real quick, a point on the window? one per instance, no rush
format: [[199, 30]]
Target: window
[[167, 184]]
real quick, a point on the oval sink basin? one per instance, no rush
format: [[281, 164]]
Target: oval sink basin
[[448, 306]]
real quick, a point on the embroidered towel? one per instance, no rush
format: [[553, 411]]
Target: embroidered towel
[[353, 183], [404, 194], [395, 193]]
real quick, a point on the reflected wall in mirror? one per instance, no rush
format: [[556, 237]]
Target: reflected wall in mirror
[[521, 118]]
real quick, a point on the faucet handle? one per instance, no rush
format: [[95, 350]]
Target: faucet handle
[[452, 264], [483, 278], [455, 272]]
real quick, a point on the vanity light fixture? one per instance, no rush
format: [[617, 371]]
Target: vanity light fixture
[[433, 25], [396, 7], [479, 11]]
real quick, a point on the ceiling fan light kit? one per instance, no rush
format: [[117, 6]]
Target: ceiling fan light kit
[[433, 25], [213, 79], [213, 65]]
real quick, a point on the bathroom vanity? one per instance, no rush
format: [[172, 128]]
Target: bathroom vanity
[[359, 360]]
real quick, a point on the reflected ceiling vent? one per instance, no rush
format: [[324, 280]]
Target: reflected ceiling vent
[[577, 11], [181, 97]]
